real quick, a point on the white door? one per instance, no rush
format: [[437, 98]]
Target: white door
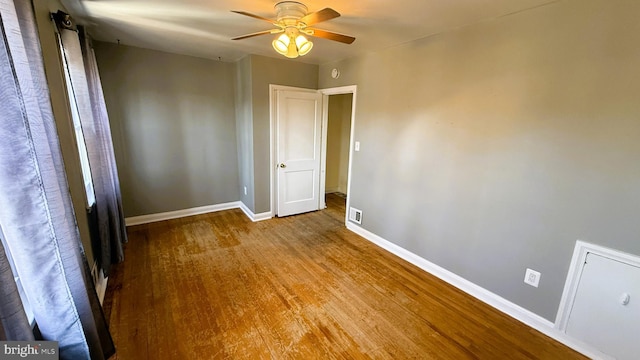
[[298, 135]]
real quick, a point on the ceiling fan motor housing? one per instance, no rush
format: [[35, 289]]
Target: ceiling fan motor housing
[[289, 12]]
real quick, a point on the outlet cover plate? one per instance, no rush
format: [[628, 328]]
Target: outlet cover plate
[[532, 277]]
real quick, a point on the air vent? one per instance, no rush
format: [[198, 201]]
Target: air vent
[[355, 215]]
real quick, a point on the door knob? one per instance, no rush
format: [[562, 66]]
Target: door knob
[[283, 166]]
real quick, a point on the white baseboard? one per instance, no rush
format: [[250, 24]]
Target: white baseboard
[[517, 312], [101, 287], [331, 190], [145, 219], [255, 217], [99, 281]]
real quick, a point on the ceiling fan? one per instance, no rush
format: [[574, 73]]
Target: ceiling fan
[[292, 22]]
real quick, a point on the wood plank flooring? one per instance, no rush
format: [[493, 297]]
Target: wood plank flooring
[[217, 286]]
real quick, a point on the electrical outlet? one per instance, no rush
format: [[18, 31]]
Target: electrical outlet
[[245, 190], [532, 277], [357, 146]]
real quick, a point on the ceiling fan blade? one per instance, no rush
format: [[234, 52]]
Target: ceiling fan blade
[[253, 16], [333, 36], [319, 16], [275, 31]]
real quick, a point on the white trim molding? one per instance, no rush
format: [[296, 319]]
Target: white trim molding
[[145, 219], [515, 311], [255, 217]]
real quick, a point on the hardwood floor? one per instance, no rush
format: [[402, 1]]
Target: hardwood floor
[[217, 286]]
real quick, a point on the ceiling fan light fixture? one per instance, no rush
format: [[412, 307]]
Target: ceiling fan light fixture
[[281, 44], [304, 45], [292, 44], [292, 52]]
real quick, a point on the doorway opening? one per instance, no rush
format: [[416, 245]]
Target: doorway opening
[[339, 109], [338, 132]]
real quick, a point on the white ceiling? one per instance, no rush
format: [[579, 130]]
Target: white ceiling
[[204, 28]]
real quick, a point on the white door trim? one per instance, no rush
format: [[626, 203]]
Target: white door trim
[[273, 89], [580, 252], [350, 89]]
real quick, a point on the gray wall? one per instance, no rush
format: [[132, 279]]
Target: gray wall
[[244, 131], [266, 71], [496, 146], [174, 128], [338, 131]]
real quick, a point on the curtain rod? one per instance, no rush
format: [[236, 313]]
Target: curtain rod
[[63, 20]]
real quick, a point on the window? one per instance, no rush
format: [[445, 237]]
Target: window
[[77, 125]]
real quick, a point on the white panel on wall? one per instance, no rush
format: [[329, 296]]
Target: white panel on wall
[[606, 310]]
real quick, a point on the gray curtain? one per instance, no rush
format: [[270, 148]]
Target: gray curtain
[[14, 324], [87, 91], [36, 213]]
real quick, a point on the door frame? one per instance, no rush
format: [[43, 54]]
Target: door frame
[[273, 107], [350, 89]]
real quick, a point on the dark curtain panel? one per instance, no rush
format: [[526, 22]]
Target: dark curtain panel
[[87, 91], [35, 206], [108, 170]]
